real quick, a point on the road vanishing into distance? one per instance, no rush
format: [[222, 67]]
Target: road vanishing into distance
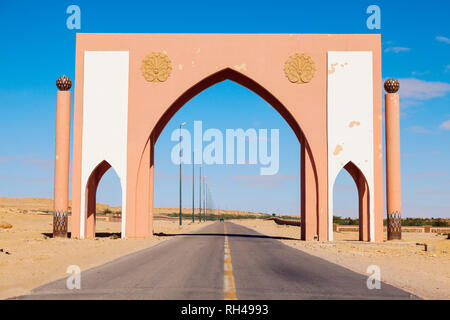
[[221, 260]]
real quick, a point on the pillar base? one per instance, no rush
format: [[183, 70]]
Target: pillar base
[[394, 226], [60, 223]]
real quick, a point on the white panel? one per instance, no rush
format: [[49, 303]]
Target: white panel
[[350, 121], [105, 119]]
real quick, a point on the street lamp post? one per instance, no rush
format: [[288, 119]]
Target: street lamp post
[[182, 124], [200, 193], [204, 198], [206, 201]]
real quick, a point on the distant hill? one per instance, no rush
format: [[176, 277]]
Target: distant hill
[[46, 205], [41, 204]]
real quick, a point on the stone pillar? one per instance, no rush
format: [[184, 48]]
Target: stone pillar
[[393, 175], [309, 218], [62, 158]]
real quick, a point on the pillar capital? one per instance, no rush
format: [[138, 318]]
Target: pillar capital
[[391, 85], [64, 83]]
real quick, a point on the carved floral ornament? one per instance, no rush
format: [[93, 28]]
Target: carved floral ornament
[[299, 68], [156, 67]]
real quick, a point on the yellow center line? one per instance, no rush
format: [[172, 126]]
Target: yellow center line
[[228, 279]]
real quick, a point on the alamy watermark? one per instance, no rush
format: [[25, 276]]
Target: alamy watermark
[[374, 20], [74, 280], [374, 280], [74, 20], [232, 150]]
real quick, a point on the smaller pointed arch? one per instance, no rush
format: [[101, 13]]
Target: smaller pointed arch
[[91, 196], [363, 199]]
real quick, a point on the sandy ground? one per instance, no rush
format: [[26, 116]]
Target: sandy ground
[[30, 258], [403, 264]]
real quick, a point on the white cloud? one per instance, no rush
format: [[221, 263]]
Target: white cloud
[[14, 158], [421, 154], [443, 39], [264, 181], [432, 191], [397, 49], [445, 125], [27, 179], [417, 129], [412, 88], [420, 73], [40, 163], [427, 174]]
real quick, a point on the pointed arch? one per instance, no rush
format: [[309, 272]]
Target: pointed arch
[[363, 199], [91, 196], [222, 75], [309, 175]]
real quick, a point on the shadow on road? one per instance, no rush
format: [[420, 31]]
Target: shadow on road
[[115, 235], [162, 234]]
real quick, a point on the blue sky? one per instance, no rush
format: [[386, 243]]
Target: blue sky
[[37, 48]]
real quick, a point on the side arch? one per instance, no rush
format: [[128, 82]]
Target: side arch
[[309, 176], [91, 197], [363, 199]]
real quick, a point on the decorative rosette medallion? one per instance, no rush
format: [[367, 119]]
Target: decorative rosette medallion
[[156, 67], [299, 68]]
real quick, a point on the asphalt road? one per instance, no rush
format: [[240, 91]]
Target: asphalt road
[[191, 266]]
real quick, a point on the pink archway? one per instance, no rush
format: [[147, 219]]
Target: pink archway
[[109, 72]]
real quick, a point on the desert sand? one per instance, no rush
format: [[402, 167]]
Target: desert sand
[[404, 264], [31, 258]]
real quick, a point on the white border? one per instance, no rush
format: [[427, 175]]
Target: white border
[[105, 120], [350, 121]]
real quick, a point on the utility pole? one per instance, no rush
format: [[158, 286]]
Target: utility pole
[[200, 194], [204, 198]]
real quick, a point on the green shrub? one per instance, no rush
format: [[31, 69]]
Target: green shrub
[[439, 223]]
